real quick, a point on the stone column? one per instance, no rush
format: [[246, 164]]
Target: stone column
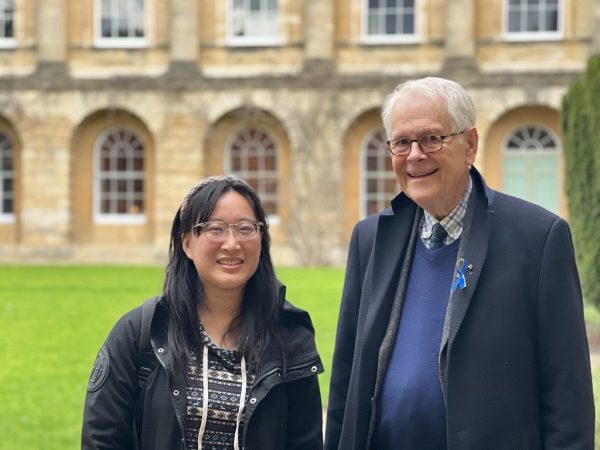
[[184, 38], [45, 222], [318, 33], [51, 38], [460, 39]]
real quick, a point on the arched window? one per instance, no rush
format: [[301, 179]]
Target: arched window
[[253, 157], [379, 185], [531, 168], [7, 178], [119, 187]]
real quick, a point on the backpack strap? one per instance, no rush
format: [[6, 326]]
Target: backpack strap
[[146, 360]]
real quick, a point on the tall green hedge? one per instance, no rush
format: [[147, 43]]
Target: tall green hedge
[[581, 131]]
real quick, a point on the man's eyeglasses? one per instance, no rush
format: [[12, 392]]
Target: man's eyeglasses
[[428, 144], [215, 230]]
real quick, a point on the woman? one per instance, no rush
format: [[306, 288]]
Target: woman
[[237, 364]]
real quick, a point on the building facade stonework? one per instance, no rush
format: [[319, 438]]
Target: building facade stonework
[[108, 116]]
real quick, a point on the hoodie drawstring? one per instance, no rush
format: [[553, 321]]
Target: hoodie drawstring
[[238, 419]]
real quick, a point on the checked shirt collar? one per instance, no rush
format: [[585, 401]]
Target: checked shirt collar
[[452, 223]]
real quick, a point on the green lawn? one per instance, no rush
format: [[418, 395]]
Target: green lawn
[[54, 318]]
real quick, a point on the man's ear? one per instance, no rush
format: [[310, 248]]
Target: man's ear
[[472, 139]]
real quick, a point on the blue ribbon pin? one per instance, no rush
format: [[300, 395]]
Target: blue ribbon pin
[[459, 277]]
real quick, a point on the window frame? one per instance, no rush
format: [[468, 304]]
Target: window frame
[[385, 155], [117, 42], [8, 42], [7, 217], [251, 41], [100, 218], [521, 151], [533, 35], [526, 154], [387, 39], [274, 218]]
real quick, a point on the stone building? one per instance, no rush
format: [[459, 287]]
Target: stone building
[[110, 110]]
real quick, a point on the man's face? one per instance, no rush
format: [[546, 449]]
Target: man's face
[[434, 181]]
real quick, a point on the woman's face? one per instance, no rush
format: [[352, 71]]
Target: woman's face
[[225, 266]]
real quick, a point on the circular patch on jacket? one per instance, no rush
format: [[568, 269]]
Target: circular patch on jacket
[[100, 370]]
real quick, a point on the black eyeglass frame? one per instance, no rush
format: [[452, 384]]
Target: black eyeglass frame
[[420, 143]]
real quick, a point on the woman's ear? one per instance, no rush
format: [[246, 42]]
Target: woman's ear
[[186, 240]]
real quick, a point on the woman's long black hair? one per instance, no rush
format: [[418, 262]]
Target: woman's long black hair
[[182, 290]]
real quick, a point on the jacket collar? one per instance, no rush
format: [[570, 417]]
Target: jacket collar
[[471, 255], [296, 348], [295, 330], [393, 239]]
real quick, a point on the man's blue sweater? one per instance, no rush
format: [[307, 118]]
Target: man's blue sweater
[[411, 412]]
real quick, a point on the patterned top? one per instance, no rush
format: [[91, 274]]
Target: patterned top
[[452, 223], [224, 389]]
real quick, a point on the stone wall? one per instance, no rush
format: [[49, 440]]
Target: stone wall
[[318, 93]]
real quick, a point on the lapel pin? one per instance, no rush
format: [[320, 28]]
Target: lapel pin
[[459, 275]]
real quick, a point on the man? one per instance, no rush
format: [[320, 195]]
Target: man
[[461, 323]]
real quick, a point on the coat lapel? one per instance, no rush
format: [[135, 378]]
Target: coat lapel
[[474, 252], [393, 232]]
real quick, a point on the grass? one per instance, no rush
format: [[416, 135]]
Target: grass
[[53, 319], [318, 291]]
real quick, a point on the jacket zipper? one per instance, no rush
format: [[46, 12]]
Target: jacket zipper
[[177, 415], [266, 374]]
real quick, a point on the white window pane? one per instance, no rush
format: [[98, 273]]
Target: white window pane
[[532, 16], [122, 19], [373, 27], [551, 21], [514, 21], [533, 22], [390, 24], [408, 27], [390, 17], [254, 18]]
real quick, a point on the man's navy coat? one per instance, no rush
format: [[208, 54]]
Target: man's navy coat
[[514, 363]]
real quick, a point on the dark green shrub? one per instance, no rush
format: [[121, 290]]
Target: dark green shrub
[[581, 133]]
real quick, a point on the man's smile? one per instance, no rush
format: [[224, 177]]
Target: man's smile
[[421, 174]]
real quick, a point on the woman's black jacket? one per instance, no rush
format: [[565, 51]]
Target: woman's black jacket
[[283, 409]]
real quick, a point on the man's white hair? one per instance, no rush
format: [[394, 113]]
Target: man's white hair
[[459, 103]]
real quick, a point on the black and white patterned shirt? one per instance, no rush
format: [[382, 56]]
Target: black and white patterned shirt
[[224, 389]]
